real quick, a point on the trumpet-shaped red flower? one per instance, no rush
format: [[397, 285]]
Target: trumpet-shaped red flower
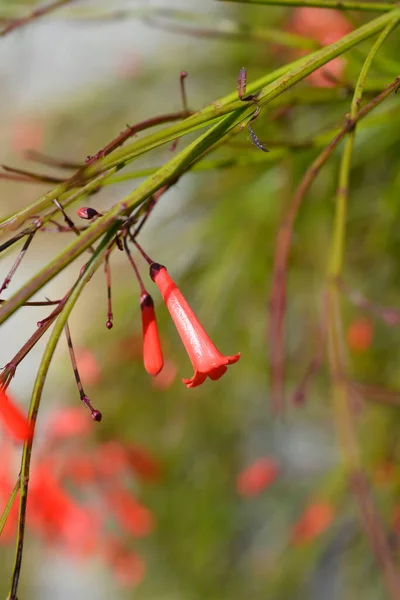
[[206, 359], [13, 418], [152, 353]]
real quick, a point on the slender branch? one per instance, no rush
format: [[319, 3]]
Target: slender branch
[[130, 131], [107, 270], [277, 306], [337, 4], [8, 506], [35, 14], [279, 81], [341, 400], [96, 414], [29, 176], [51, 161], [91, 266], [174, 168], [16, 264]]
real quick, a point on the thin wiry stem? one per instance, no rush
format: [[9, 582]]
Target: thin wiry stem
[[35, 14], [107, 271], [16, 264], [29, 176], [66, 309], [269, 87], [8, 506], [341, 399], [337, 4], [277, 307], [96, 414], [134, 266], [51, 161]]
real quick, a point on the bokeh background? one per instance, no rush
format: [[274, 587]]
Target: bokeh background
[[165, 504]]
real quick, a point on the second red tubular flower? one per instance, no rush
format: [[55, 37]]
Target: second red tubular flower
[[206, 359], [152, 352]]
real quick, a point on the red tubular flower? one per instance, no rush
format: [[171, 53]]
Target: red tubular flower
[[152, 353], [206, 359], [13, 418]]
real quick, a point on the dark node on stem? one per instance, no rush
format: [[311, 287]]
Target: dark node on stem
[[154, 269], [146, 301], [86, 212], [242, 82], [255, 140], [109, 324], [118, 243]]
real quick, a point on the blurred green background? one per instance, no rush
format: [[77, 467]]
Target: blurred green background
[[69, 84]]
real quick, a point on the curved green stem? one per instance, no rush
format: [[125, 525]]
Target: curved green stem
[[92, 265], [271, 86], [341, 401]]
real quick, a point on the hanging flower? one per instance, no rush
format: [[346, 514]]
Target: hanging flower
[[206, 359], [152, 353]]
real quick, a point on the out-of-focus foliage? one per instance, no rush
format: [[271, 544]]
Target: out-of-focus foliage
[[293, 532]]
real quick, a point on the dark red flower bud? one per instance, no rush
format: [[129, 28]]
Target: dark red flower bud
[[86, 212]]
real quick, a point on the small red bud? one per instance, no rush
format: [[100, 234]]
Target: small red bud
[[86, 212], [97, 416], [109, 324]]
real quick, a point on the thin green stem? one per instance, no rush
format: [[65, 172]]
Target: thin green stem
[[10, 502], [344, 173], [271, 85], [171, 170], [338, 4], [91, 266], [341, 401]]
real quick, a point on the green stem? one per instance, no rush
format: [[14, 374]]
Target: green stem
[[341, 402], [338, 4], [173, 169], [7, 509], [92, 265], [344, 173], [271, 85]]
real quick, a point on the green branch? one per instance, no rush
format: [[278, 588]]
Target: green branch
[[338, 4]]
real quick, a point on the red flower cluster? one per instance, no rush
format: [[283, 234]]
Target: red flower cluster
[[65, 471]]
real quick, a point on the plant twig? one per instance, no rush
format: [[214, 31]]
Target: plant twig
[[337, 4], [277, 307], [91, 266], [35, 14], [341, 400]]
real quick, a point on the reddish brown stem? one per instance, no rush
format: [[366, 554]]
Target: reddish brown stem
[[277, 306], [35, 14]]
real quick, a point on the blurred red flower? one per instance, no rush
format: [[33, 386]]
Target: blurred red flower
[[324, 26], [359, 334], [258, 476], [316, 518]]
